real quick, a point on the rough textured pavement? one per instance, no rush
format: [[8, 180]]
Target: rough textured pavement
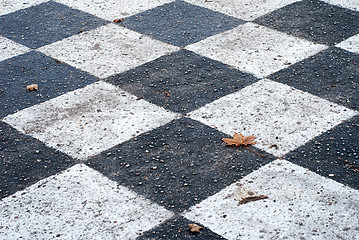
[[123, 138]]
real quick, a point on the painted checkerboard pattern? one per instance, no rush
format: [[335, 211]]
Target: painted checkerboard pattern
[[122, 140]]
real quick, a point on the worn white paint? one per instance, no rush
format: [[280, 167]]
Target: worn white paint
[[351, 4], [10, 48], [244, 9], [300, 205], [9, 6], [275, 113], [113, 9], [89, 120], [79, 203], [107, 50], [351, 44], [256, 49]]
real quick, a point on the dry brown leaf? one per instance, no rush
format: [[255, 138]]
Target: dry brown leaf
[[240, 140], [194, 228], [117, 20], [32, 87]]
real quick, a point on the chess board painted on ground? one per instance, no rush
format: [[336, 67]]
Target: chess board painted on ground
[[123, 137]]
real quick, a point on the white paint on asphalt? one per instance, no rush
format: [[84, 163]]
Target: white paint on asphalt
[[107, 50], [275, 113], [300, 205], [90, 120], [79, 203], [256, 49]]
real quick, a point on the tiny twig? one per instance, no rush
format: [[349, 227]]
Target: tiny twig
[[252, 199], [253, 151]]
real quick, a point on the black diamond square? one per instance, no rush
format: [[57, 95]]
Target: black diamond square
[[178, 164], [180, 23], [182, 81], [53, 78], [177, 228], [46, 23], [333, 154], [314, 20], [25, 160], [332, 74]]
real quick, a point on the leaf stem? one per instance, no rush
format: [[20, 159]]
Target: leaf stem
[[253, 151]]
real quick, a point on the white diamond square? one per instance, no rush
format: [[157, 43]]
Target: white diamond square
[[79, 203], [113, 9], [256, 49], [244, 9], [300, 205], [107, 50], [11, 49], [278, 115], [351, 44], [89, 120], [351, 4], [8, 6]]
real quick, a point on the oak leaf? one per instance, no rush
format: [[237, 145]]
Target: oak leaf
[[240, 140]]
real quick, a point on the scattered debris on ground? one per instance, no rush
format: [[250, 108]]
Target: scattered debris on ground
[[252, 199], [194, 228], [273, 146], [117, 20], [243, 195], [32, 87]]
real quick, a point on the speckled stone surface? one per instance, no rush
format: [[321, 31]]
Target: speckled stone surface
[[256, 49], [314, 20], [331, 74], [169, 23], [300, 204], [123, 137], [70, 205], [53, 78], [178, 164], [25, 160], [180, 87], [244, 9], [89, 120], [277, 114], [45, 23], [8, 6], [107, 50], [10, 48], [334, 154], [177, 228], [351, 44], [113, 9], [351, 4]]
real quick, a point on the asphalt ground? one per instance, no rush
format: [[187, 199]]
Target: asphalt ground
[[123, 136]]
